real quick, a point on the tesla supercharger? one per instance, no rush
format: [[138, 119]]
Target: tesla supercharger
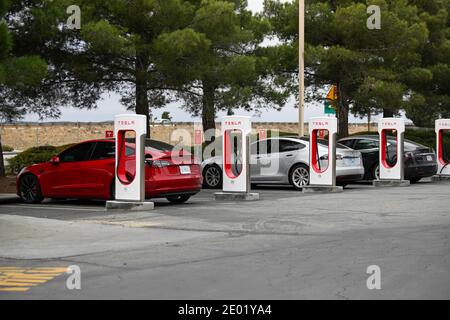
[[129, 187], [198, 142], [442, 126], [236, 131], [391, 173], [322, 167]]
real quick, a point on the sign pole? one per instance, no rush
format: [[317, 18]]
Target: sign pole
[[301, 68]]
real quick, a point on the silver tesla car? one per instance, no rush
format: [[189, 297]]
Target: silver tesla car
[[285, 160]]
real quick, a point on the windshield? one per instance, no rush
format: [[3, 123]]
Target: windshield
[[158, 145], [154, 144], [407, 146]]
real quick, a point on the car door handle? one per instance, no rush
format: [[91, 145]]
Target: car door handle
[[289, 155]]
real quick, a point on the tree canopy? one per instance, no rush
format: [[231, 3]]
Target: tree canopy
[[151, 52], [401, 66]]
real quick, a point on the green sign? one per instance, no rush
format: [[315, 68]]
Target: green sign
[[328, 109]]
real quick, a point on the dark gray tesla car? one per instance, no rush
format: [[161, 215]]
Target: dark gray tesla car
[[420, 161]]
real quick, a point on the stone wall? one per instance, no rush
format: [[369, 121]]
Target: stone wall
[[25, 135]]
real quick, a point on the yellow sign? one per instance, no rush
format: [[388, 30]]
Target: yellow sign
[[333, 93], [331, 102]]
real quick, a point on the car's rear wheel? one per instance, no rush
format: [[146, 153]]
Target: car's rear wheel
[[29, 189], [212, 177], [112, 190], [414, 180], [376, 172], [299, 176], [179, 199]]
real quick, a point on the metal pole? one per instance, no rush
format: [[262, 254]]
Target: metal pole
[[301, 68]]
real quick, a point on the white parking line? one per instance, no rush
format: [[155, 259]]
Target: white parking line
[[51, 208]]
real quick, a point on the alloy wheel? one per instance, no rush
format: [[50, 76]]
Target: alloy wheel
[[376, 172], [212, 176], [29, 189], [300, 177]]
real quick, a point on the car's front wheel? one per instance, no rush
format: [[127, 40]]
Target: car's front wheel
[[299, 176], [179, 199], [212, 177], [29, 189]]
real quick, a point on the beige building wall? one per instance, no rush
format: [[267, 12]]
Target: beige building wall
[[25, 135]]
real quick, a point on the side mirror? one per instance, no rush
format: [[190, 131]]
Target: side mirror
[[55, 160], [149, 159]]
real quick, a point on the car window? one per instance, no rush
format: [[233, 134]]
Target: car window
[[289, 145], [410, 146], [254, 148], [104, 150], [347, 143], [80, 152], [261, 147], [362, 144], [130, 151]]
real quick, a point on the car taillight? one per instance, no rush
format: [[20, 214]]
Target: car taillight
[[161, 163], [338, 157]]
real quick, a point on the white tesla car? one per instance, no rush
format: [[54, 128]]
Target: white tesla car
[[285, 160]]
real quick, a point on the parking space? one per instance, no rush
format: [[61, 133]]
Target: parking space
[[74, 208], [287, 245], [203, 204]]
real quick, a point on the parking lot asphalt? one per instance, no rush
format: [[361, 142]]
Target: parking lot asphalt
[[288, 245]]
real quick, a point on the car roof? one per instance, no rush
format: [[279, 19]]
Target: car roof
[[377, 137], [98, 140], [361, 136]]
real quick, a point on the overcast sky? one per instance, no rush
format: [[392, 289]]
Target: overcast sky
[[110, 106]]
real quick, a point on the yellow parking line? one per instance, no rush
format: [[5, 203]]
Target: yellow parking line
[[50, 269], [12, 283], [14, 289], [27, 280], [30, 275]]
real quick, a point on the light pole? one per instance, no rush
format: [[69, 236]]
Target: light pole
[[301, 68]]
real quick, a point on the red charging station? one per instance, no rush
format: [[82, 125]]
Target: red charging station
[[198, 142], [391, 165], [236, 131], [322, 166], [441, 127], [130, 167]]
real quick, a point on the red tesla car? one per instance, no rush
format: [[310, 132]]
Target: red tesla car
[[86, 171]]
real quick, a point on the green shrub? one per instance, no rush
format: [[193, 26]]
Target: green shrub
[[32, 156], [7, 148]]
